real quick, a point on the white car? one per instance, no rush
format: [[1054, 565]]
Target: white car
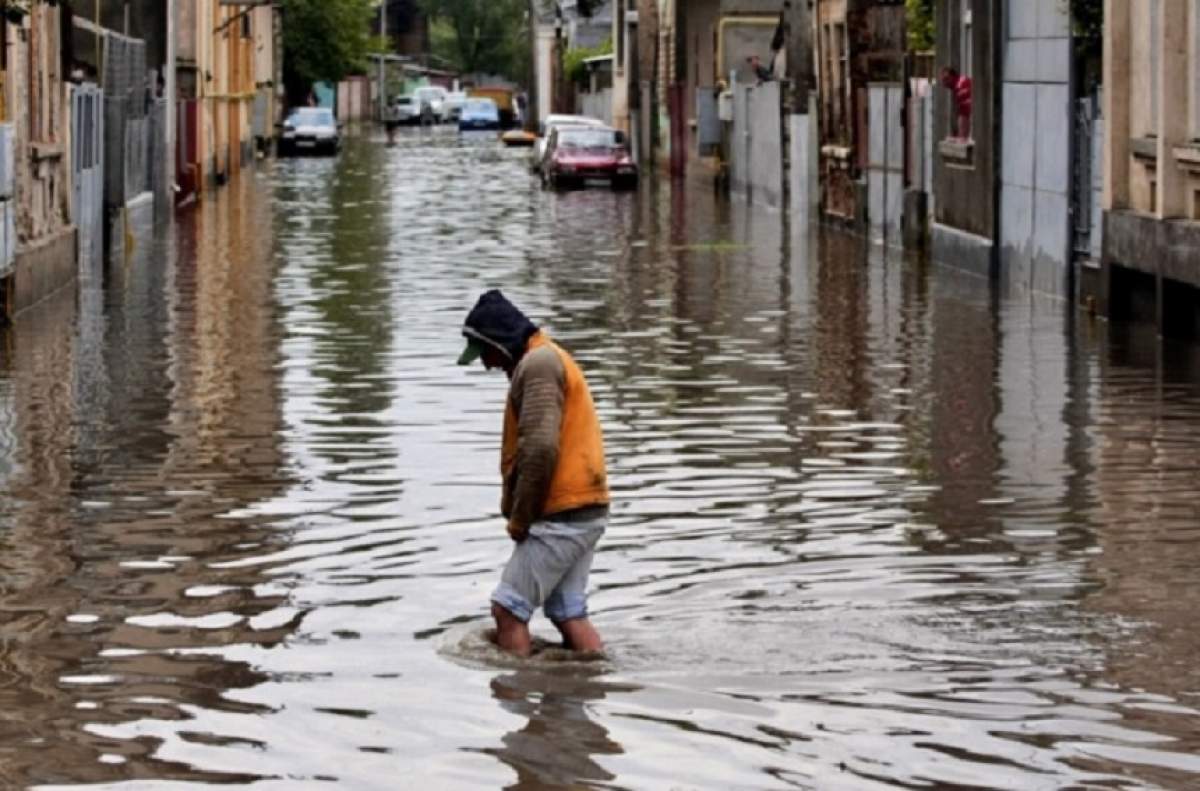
[[453, 103], [545, 127], [405, 110], [310, 129], [435, 97]]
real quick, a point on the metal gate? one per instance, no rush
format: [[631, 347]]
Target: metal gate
[[87, 175], [885, 160]]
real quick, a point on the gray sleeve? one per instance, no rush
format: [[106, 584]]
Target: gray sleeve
[[538, 396]]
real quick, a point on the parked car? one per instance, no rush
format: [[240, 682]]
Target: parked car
[[479, 114], [553, 120], [453, 104], [406, 110], [310, 130], [505, 99], [435, 97], [576, 155]]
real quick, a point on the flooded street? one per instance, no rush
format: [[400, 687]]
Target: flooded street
[[874, 526]]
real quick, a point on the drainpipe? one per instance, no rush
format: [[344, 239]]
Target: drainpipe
[[169, 91]]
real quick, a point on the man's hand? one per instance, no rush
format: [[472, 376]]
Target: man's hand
[[517, 532]]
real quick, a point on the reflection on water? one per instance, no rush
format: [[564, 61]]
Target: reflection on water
[[874, 526]]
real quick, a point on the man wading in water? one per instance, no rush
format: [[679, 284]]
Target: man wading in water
[[555, 486]]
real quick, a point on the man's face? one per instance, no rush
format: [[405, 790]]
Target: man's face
[[948, 78], [494, 359]]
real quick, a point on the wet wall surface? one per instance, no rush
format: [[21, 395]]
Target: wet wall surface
[[874, 526]]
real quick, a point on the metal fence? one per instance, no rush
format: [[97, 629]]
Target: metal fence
[[597, 105], [885, 160], [87, 175], [756, 149], [130, 108]]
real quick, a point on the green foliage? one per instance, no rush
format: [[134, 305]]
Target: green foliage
[[1087, 20], [920, 21], [324, 40], [573, 59], [378, 45], [480, 35]]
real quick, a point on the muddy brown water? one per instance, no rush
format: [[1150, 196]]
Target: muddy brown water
[[874, 527]]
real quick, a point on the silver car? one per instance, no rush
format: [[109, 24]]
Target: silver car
[[310, 130], [405, 110]]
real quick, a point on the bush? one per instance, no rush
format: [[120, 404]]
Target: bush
[[574, 60]]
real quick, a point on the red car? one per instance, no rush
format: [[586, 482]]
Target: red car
[[576, 155]]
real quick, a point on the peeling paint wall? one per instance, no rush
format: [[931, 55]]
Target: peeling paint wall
[[38, 105], [226, 48]]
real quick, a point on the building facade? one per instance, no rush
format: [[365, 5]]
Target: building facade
[[963, 232], [228, 88], [859, 47], [39, 235], [1150, 265]]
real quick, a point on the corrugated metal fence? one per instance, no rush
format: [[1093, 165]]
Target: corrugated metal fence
[[597, 105], [87, 174], [132, 115], [756, 164]]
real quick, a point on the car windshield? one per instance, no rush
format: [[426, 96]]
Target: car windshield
[[313, 116], [480, 106], [429, 93], [404, 100], [572, 139]]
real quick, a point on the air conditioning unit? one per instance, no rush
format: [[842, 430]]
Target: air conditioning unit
[[7, 160]]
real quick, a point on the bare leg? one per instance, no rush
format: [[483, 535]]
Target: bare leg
[[512, 634], [579, 635]]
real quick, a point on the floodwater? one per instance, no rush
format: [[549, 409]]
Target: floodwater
[[874, 527]]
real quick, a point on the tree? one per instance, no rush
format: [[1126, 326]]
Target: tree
[[920, 25], [480, 35], [323, 40]]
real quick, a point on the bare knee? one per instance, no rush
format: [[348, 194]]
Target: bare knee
[[512, 634], [579, 635]]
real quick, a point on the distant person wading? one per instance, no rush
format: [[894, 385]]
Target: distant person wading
[[555, 485]]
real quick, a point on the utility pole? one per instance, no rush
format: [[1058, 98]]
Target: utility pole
[[799, 43], [531, 104], [383, 61]]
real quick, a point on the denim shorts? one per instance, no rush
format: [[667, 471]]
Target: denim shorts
[[550, 567]]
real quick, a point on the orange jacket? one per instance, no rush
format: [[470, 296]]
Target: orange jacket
[[579, 478]]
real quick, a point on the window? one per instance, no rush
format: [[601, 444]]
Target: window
[[246, 31]]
